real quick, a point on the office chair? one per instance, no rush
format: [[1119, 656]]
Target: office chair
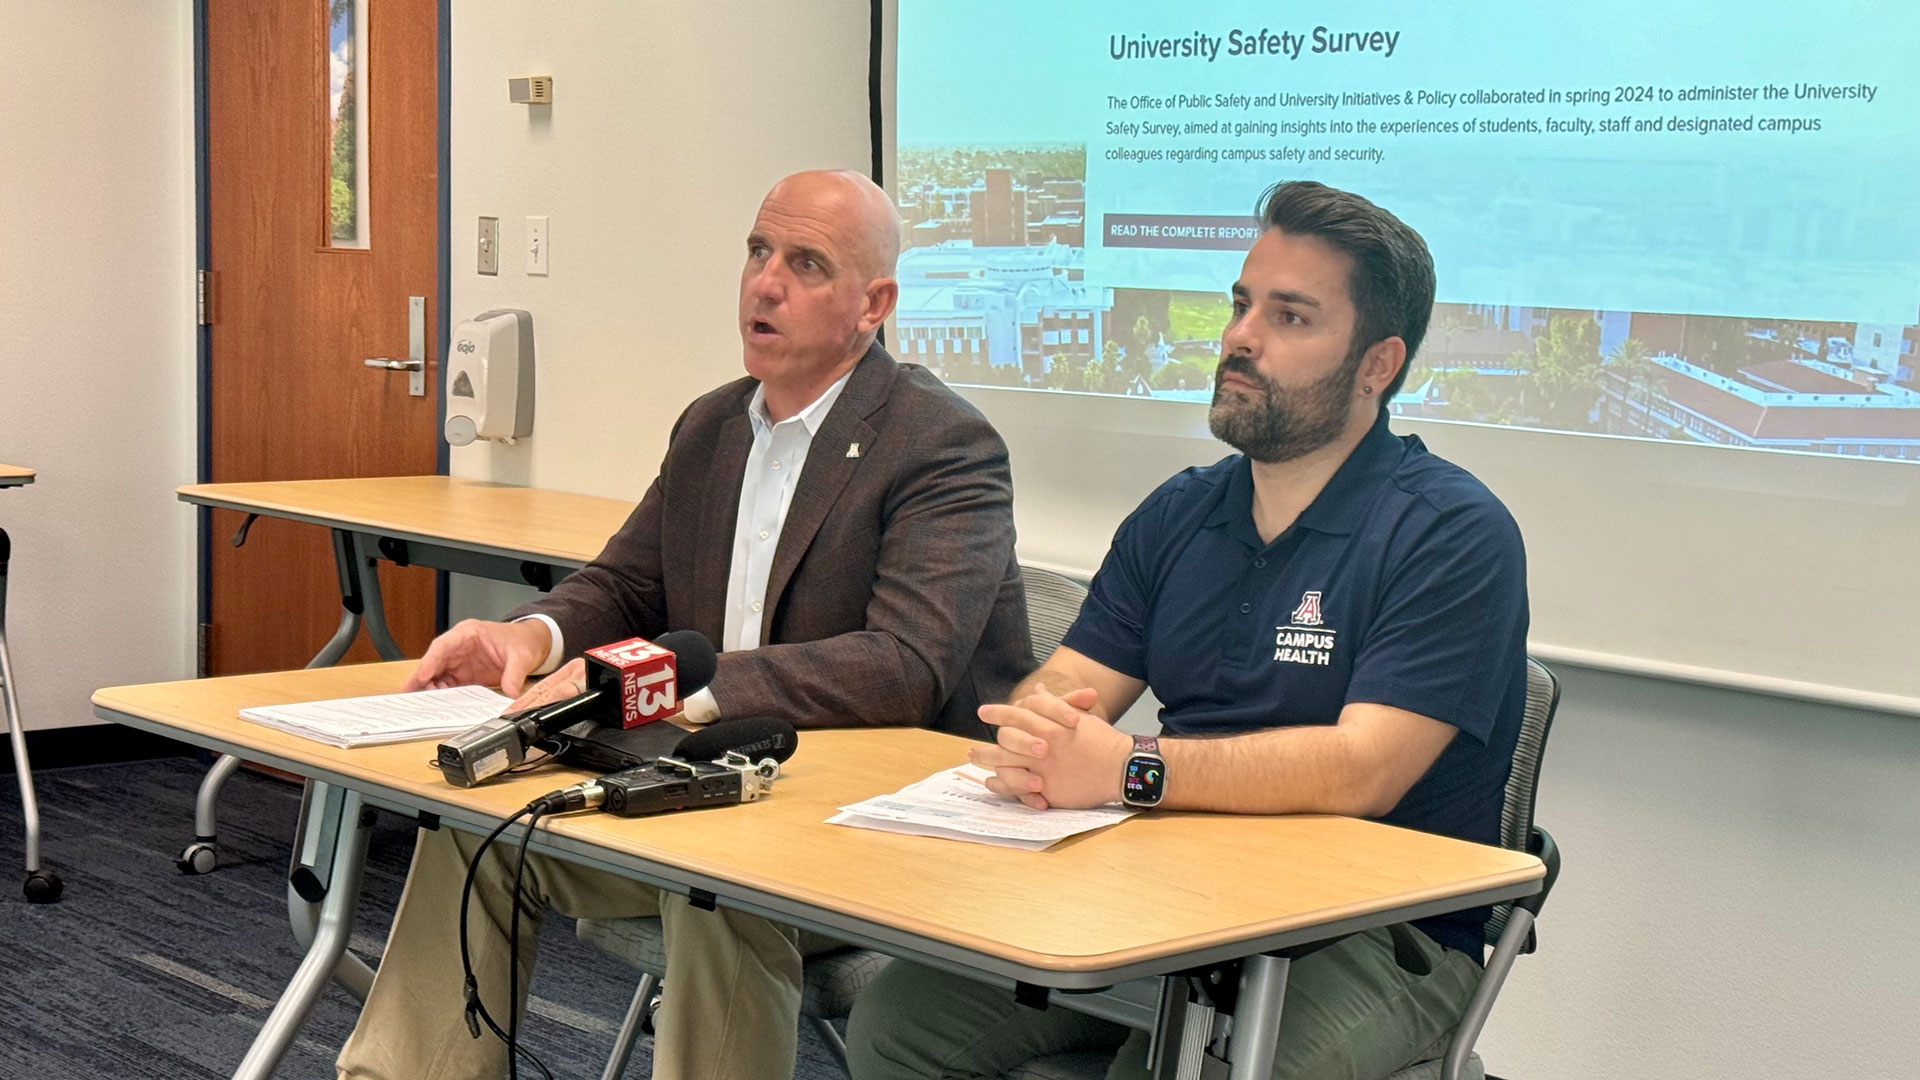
[[1509, 931]]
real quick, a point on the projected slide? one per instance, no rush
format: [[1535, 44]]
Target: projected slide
[[1673, 219]]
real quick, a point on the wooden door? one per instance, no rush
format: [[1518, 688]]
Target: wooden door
[[323, 222]]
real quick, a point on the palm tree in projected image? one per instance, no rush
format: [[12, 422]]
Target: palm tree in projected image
[[1643, 381], [1423, 366], [1561, 376], [1449, 326]]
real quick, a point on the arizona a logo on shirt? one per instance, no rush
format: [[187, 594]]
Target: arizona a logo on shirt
[[1308, 613], [1305, 640]]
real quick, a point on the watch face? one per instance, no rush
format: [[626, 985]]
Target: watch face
[[1145, 781]]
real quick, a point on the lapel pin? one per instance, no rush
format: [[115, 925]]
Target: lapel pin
[[853, 449]]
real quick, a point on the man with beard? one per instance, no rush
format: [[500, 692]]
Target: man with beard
[[1335, 621]]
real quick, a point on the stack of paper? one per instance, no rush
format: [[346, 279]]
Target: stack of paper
[[955, 804], [386, 718]]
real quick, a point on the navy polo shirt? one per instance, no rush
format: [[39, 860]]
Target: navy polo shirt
[[1402, 584]]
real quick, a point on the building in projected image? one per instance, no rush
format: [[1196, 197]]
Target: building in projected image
[[1821, 387], [1809, 405], [997, 211], [1824, 387], [992, 266], [998, 314], [998, 208], [941, 322], [1889, 349]]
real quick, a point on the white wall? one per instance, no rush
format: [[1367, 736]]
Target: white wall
[[1737, 897], [669, 123], [1737, 866], [97, 361]]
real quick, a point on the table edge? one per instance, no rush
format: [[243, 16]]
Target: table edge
[[362, 524], [968, 951]]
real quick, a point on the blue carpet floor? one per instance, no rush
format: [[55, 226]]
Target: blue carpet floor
[[142, 972]]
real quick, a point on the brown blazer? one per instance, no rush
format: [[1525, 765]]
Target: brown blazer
[[894, 597]]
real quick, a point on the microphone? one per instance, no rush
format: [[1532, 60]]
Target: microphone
[[636, 679], [646, 680], [683, 781], [750, 736]]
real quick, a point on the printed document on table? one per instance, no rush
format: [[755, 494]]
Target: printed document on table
[[955, 804], [384, 718]]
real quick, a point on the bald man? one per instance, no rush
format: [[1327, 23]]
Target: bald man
[[842, 526]]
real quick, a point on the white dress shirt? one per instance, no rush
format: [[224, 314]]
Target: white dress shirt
[[774, 462]]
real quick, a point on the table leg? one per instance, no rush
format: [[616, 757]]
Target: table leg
[[346, 567], [1256, 1018], [43, 886], [348, 860], [201, 855], [310, 878], [1182, 1028], [1188, 1032], [367, 567]]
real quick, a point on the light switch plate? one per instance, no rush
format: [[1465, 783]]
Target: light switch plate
[[537, 245], [489, 262]]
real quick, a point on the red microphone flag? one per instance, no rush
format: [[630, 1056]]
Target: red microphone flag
[[647, 677]]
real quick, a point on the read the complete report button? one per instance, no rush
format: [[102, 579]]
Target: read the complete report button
[[1195, 232]]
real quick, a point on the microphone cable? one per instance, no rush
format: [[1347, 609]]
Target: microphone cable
[[513, 956], [476, 1009], [563, 800], [588, 795]]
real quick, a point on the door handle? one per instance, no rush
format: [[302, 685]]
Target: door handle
[[415, 365]]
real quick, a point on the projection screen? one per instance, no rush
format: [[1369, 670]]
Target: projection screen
[[1678, 252]]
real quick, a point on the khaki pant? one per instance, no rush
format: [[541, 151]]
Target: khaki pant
[[1350, 1013], [731, 1011]]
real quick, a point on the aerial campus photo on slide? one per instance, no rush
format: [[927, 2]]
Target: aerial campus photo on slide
[[1671, 219]]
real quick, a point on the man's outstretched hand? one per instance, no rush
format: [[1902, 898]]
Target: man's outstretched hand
[[476, 653], [568, 680]]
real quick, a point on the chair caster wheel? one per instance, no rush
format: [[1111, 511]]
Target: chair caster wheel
[[197, 859], [653, 1010], [43, 887]]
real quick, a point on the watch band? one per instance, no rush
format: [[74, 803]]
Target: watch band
[[1146, 767]]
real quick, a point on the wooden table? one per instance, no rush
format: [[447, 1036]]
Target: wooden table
[[42, 886], [498, 531], [1074, 917], [524, 535], [438, 515]]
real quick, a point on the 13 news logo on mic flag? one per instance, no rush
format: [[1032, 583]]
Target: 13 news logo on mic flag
[[648, 679]]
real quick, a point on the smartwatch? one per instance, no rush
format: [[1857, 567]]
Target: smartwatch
[[1145, 780]]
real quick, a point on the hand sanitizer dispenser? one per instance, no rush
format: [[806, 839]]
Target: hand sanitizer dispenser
[[489, 383]]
